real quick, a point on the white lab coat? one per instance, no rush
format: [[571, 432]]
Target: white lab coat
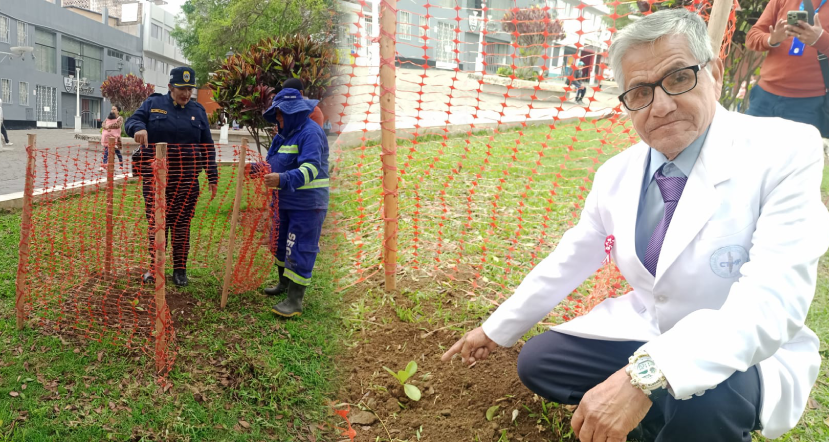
[[753, 195]]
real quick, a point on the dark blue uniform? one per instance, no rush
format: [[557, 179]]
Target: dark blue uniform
[[190, 150], [300, 157]]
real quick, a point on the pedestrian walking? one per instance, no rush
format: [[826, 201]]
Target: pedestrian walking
[[112, 129]]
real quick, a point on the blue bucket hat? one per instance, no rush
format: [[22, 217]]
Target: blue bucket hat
[[289, 101]]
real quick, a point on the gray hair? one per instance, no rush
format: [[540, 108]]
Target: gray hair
[[653, 27]]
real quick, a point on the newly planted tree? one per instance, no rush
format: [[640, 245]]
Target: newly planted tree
[[404, 375]]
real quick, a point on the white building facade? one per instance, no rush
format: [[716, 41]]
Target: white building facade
[[161, 51]]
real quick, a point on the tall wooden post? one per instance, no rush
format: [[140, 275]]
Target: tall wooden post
[[22, 288], [109, 216], [717, 22], [234, 221], [160, 253], [388, 24]]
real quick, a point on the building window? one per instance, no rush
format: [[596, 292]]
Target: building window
[[369, 26], [90, 55], [6, 89], [24, 93], [404, 29], [45, 52], [115, 54], [155, 31], [423, 22], [22, 33], [4, 29], [445, 47]]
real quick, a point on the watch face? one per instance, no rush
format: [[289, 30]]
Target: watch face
[[646, 371]]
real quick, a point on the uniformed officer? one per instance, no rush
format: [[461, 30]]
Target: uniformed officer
[[298, 159], [183, 124]]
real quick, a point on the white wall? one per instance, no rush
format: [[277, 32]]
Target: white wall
[[159, 50]]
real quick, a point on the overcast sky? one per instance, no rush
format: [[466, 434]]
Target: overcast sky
[[174, 6]]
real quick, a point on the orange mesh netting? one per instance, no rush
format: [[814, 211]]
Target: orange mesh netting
[[88, 237], [494, 155]]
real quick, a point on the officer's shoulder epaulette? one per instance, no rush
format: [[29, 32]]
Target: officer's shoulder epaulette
[[199, 105]]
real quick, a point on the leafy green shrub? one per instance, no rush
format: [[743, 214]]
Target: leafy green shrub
[[243, 85], [504, 71]]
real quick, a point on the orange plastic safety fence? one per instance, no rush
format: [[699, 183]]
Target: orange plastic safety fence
[[496, 146], [92, 237]]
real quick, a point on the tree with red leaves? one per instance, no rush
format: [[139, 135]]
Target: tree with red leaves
[[533, 29], [127, 92]]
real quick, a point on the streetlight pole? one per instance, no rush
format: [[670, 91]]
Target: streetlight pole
[[78, 90]]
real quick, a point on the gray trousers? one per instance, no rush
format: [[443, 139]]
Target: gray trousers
[[562, 368]]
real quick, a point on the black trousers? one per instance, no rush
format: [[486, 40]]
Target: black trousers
[[182, 196], [3, 131], [580, 93], [562, 368]]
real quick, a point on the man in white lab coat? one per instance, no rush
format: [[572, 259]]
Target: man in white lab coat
[[718, 228]]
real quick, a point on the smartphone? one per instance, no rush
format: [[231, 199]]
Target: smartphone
[[794, 17]]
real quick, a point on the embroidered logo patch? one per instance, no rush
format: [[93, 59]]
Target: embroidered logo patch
[[158, 111], [727, 261], [186, 76]]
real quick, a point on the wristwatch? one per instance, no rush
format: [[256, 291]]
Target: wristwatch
[[645, 375]]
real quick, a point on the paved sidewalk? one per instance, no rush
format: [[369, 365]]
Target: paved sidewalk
[[13, 158]]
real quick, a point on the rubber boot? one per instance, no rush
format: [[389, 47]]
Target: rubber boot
[[180, 277], [282, 287], [292, 305], [148, 278]]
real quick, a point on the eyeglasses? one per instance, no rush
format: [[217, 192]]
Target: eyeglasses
[[677, 82]]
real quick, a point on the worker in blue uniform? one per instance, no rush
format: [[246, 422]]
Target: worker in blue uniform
[[183, 124], [298, 163]]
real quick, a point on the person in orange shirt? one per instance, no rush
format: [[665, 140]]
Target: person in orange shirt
[[791, 84]]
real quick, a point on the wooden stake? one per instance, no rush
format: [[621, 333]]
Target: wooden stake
[[109, 216], [234, 221], [160, 255], [717, 23], [22, 288], [388, 24]]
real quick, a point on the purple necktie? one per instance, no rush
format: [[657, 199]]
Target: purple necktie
[[671, 189]]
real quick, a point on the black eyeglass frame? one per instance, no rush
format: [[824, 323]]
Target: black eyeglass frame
[[694, 68]]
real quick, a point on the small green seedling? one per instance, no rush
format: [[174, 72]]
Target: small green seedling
[[402, 376]]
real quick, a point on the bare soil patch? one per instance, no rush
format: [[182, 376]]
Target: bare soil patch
[[455, 398]]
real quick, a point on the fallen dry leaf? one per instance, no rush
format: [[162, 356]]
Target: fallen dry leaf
[[23, 387], [813, 404], [77, 350], [244, 424], [14, 394]]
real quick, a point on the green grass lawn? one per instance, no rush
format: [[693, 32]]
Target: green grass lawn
[[471, 222], [240, 374]]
